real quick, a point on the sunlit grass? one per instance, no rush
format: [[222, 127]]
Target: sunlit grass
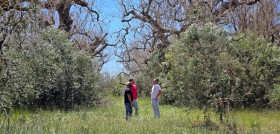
[[109, 118]]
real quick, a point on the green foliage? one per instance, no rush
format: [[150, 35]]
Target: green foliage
[[275, 94], [257, 69], [208, 68], [151, 70], [117, 90], [196, 71], [45, 72], [144, 83], [118, 86]]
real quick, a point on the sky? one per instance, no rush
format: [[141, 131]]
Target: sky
[[109, 11], [110, 14]]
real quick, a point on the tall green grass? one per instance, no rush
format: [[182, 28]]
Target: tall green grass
[[110, 118]]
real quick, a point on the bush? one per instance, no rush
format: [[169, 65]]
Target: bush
[[208, 68], [195, 67], [45, 72]]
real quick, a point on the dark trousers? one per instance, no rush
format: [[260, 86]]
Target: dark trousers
[[128, 110]]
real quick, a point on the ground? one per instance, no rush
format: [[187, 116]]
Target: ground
[[110, 118]]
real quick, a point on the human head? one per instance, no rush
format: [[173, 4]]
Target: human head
[[128, 84], [131, 81], [155, 81]]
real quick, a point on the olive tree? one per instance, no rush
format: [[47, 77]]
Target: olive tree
[[47, 73], [208, 67]]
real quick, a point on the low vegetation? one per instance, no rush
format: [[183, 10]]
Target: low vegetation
[[109, 118]]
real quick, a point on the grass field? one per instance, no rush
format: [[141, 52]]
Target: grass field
[[109, 118]]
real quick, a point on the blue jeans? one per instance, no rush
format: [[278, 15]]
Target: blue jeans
[[128, 110], [135, 106], [155, 105]]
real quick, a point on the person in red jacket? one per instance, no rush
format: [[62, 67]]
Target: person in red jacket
[[134, 91]]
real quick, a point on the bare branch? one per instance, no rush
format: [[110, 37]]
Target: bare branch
[[85, 4]]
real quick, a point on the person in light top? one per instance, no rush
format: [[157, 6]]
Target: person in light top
[[156, 92]]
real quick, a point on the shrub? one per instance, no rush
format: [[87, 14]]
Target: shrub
[[209, 68], [45, 72]]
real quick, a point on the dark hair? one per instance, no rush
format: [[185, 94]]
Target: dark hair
[[129, 85], [157, 80], [130, 80]]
